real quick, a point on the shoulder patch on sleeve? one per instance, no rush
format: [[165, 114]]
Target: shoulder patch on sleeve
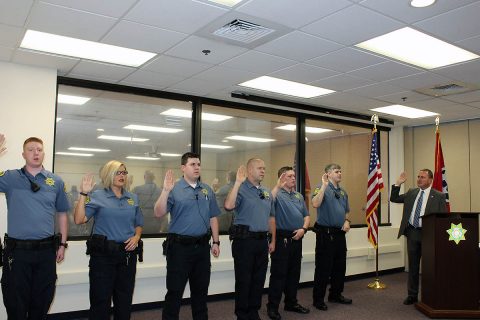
[[2, 173]]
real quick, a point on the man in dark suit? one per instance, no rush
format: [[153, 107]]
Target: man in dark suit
[[417, 203]]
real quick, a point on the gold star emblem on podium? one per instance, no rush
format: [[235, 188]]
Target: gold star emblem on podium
[[456, 232]]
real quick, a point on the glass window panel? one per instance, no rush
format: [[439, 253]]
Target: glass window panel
[[108, 114], [348, 146], [219, 166]]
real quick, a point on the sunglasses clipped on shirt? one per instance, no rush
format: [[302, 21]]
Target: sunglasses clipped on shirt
[[123, 173], [261, 194]]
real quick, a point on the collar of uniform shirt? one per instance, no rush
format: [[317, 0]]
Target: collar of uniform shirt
[[184, 184], [110, 193]]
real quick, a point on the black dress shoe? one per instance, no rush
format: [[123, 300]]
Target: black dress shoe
[[296, 308], [410, 300], [273, 314], [340, 299], [320, 306]]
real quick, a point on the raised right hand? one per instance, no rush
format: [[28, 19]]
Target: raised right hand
[[241, 174], [282, 181], [402, 178], [325, 179], [88, 182], [2, 143], [169, 181]]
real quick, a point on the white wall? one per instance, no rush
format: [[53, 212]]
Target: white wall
[[28, 98]]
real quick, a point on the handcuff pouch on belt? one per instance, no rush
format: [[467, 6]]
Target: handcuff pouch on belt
[[241, 231]]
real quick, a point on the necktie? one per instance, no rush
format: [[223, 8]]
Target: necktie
[[416, 217]]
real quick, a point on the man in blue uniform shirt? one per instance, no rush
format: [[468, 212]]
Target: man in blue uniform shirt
[[35, 197], [292, 221], [193, 210], [332, 224], [254, 216]]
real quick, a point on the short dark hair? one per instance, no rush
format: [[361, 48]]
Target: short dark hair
[[189, 155], [32, 139], [332, 166], [284, 169], [429, 173]]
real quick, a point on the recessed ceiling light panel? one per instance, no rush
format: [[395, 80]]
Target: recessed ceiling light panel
[[153, 129], [249, 139], [292, 127], [404, 111], [74, 154], [88, 149], [121, 138], [69, 99], [421, 3], [182, 113]]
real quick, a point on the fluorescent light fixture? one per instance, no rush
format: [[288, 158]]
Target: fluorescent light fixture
[[153, 129], [292, 127], [170, 154], [100, 130], [88, 149], [74, 154], [59, 119], [250, 139], [120, 138], [286, 87], [421, 3], [215, 146], [142, 158], [84, 49], [68, 99], [228, 3], [417, 48], [182, 113], [406, 112]]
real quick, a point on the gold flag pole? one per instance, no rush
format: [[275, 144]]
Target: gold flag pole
[[376, 284]]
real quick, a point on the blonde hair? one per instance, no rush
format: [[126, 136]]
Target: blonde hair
[[107, 174]]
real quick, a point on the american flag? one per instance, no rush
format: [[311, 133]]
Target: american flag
[[375, 185]]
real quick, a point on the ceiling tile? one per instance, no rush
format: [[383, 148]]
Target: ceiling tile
[[142, 37], [69, 22], [290, 13], [258, 62], [467, 72], [419, 81], [471, 44], [352, 25], [5, 53], [375, 90], [346, 59], [111, 8], [385, 71], [180, 15], [348, 102], [157, 80], [61, 63], [342, 82], [192, 47], [403, 11], [403, 97], [226, 75], [303, 73], [454, 25], [176, 66], [110, 71], [467, 97], [10, 36], [288, 46], [14, 12], [198, 86]]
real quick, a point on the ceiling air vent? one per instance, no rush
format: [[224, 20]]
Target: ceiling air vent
[[448, 89], [242, 31]]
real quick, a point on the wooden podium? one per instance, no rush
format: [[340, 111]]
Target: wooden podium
[[450, 271]]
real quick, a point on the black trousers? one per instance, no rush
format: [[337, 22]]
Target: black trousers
[[414, 249], [28, 282], [112, 276], [330, 264], [250, 257], [285, 272], [187, 262]]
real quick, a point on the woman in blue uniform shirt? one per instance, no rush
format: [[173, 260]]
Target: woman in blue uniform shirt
[[118, 223]]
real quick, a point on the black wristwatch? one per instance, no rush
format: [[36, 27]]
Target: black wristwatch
[[216, 242], [64, 244], [305, 230], [84, 194]]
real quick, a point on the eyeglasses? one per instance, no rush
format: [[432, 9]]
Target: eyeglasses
[[261, 194], [123, 173]]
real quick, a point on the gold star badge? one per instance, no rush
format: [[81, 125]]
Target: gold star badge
[[130, 201], [50, 182], [456, 232]]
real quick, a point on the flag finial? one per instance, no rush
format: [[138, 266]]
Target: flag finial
[[374, 119], [437, 122]]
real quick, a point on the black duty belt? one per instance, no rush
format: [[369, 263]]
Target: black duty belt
[[188, 240], [280, 233], [12, 243], [328, 230]]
